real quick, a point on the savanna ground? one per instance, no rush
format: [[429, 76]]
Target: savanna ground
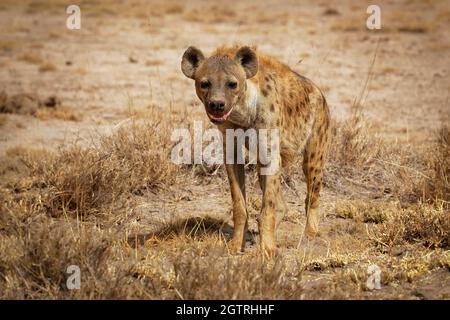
[[86, 177]]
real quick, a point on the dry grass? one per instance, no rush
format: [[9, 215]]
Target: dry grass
[[39, 6], [396, 225], [34, 241], [47, 67], [330, 262], [437, 185], [211, 14], [174, 9], [82, 180], [406, 23], [54, 35], [246, 278], [353, 144], [392, 21], [3, 119], [153, 62], [76, 199], [407, 172], [348, 24], [420, 223], [136, 9], [88, 181], [41, 108], [8, 45], [111, 269], [61, 113], [32, 57], [365, 211]]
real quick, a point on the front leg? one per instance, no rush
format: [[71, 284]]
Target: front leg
[[270, 186], [236, 177]]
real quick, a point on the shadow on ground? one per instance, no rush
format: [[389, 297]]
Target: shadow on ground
[[193, 227]]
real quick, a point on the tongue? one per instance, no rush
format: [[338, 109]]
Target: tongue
[[222, 117]]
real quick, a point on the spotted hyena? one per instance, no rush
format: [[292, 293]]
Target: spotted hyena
[[243, 88]]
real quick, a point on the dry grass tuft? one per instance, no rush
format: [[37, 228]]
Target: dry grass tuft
[[61, 113], [349, 24], [241, 278], [3, 119], [211, 14], [364, 211], [8, 45], [437, 187], [420, 223], [37, 249], [84, 181], [331, 262], [47, 67], [174, 9], [153, 62], [413, 29], [32, 57], [407, 172], [353, 144]]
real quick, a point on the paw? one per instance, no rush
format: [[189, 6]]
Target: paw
[[268, 248], [312, 225], [311, 231], [235, 247]]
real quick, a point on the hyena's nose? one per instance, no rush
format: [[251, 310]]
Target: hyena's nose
[[216, 105]]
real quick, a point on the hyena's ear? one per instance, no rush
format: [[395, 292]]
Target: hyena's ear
[[247, 58], [192, 58]]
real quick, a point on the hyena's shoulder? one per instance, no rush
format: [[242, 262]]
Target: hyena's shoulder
[[283, 87]]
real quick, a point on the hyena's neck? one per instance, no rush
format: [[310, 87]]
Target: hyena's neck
[[251, 99], [249, 105], [246, 110]]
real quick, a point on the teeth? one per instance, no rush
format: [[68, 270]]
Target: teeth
[[224, 117]]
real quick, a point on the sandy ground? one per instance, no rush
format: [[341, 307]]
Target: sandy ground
[[119, 64]]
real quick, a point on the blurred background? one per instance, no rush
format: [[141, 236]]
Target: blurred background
[[126, 57]]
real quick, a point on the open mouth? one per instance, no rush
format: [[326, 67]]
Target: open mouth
[[221, 118]]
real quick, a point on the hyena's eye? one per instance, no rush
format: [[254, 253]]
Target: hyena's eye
[[232, 85], [205, 84]]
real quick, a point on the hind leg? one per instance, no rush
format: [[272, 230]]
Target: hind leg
[[313, 164]]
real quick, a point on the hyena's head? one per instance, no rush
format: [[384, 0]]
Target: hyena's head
[[220, 79]]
